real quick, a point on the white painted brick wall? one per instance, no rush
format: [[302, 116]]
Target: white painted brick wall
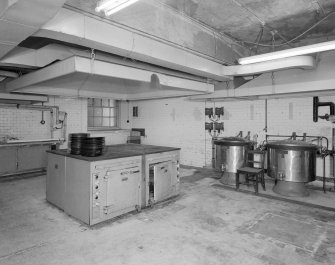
[[25, 124], [172, 122], [179, 122], [77, 120]]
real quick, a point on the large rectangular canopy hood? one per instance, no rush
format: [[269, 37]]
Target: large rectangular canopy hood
[[85, 77]]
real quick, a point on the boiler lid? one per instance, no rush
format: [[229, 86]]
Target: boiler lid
[[292, 145], [232, 141]]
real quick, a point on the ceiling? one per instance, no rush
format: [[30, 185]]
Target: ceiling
[[216, 31], [241, 20]]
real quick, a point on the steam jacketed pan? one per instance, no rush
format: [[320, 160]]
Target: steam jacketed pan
[[292, 163], [230, 153]]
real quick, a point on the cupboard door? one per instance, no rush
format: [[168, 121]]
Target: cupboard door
[[55, 186], [8, 158], [122, 190], [162, 180], [32, 157]]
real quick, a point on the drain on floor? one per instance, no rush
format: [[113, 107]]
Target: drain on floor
[[304, 235]]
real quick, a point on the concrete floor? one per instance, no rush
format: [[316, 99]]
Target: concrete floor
[[316, 197], [204, 225]]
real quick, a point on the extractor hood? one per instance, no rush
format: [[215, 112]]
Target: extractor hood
[[8, 98], [85, 77]]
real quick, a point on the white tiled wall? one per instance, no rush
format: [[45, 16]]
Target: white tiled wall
[[25, 124], [77, 120], [76, 110], [173, 122], [179, 122]]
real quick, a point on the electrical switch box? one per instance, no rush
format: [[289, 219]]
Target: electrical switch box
[[209, 112], [218, 126], [219, 111], [209, 126]]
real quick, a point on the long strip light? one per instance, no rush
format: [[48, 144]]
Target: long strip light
[[314, 48], [112, 6]]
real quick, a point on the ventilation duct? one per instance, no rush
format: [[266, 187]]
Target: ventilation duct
[[5, 74], [19, 19], [7, 98]]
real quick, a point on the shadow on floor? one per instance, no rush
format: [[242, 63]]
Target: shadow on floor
[[191, 174]]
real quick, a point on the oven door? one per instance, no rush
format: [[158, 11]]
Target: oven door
[[162, 180], [122, 189]]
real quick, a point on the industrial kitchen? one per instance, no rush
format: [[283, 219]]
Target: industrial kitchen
[[167, 132]]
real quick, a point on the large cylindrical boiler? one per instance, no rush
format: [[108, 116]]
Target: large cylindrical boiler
[[230, 153], [291, 163]]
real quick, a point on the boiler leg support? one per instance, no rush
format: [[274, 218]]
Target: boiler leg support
[[237, 181]]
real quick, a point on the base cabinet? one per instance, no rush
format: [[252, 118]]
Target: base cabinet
[[8, 160], [96, 191], [22, 159]]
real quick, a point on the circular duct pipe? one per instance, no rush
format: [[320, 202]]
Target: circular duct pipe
[[9, 74]]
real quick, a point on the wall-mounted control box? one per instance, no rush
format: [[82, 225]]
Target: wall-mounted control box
[[219, 111], [209, 112], [209, 126]]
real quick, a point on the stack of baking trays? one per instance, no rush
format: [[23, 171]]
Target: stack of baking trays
[[76, 140], [92, 146], [82, 144]]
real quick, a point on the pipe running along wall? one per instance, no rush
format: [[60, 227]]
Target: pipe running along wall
[[55, 122]]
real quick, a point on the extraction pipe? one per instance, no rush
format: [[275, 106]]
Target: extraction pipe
[[9, 74], [317, 104], [29, 107]]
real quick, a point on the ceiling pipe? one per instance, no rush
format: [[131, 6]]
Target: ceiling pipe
[[32, 59], [9, 74]]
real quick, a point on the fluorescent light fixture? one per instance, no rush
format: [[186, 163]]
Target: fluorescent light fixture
[[112, 6], [314, 48]]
